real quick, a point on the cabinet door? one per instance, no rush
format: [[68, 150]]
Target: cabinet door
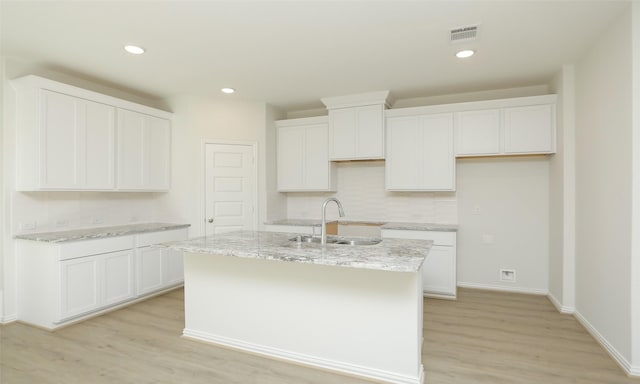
[[80, 286], [316, 158], [144, 147], [439, 271], [342, 133], [173, 267], [150, 270], [97, 165], [403, 165], [370, 132], [59, 147], [438, 159], [478, 132], [290, 158], [529, 129], [118, 276]]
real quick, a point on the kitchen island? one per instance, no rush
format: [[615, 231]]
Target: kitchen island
[[351, 309]]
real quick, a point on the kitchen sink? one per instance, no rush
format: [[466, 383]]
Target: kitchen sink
[[340, 241]]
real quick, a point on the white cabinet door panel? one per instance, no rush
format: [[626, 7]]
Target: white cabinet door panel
[[316, 159], [59, 147], [80, 286], [437, 150], [404, 153], [370, 132], [98, 152], [290, 158], [529, 129], [150, 270], [343, 133], [174, 267], [118, 276], [478, 132], [438, 271]]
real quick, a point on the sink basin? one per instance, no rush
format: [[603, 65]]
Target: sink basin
[[352, 242], [359, 242], [312, 239]]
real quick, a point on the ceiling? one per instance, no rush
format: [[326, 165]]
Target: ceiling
[[292, 53]]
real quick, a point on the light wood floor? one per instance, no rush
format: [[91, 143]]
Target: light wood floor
[[483, 337]]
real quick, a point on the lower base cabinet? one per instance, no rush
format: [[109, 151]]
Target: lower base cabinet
[[63, 282], [439, 268]]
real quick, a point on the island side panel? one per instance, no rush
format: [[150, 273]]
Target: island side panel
[[358, 321]]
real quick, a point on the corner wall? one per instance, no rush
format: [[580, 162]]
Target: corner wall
[[603, 189], [562, 196]]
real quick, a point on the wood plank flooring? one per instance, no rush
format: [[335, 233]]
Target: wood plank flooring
[[483, 337]]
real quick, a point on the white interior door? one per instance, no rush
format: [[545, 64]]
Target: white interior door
[[230, 188]]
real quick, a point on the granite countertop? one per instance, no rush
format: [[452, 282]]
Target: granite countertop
[[382, 224], [421, 227], [99, 232], [396, 255]]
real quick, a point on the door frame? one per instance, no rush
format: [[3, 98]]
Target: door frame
[[203, 178]]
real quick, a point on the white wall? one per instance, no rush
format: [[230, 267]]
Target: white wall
[[510, 230], [197, 119], [635, 255], [562, 196], [603, 187]]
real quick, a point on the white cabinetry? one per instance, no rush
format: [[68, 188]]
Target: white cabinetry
[[143, 151], [64, 282], [356, 126], [356, 133], [302, 155], [158, 268], [439, 268], [420, 153], [66, 140], [517, 126]]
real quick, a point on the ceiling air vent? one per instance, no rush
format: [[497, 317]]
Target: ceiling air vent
[[462, 34]]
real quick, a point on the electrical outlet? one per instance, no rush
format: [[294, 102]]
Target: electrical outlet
[[133, 219], [508, 275], [97, 220], [27, 226], [62, 223], [476, 210]]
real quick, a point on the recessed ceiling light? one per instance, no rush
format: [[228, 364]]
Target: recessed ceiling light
[[465, 53], [227, 90], [134, 49]]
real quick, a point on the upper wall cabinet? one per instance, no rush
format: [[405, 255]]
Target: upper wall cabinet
[[66, 140], [302, 155], [143, 152], [520, 126], [420, 153], [356, 126]]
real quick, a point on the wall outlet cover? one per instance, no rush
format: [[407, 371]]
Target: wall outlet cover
[[508, 275]]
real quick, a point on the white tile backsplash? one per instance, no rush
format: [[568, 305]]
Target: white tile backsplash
[[362, 193]]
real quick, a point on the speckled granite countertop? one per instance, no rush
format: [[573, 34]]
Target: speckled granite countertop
[[396, 255], [99, 232], [383, 224]]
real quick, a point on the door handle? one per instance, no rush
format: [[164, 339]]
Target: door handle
[[210, 220]]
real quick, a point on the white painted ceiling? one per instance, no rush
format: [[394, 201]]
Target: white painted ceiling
[[292, 53]]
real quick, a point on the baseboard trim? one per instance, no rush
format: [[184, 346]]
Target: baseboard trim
[[561, 308], [491, 287], [8, 319], [306, 360], [611, 350]]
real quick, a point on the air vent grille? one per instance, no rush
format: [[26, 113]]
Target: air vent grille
[[464, 34]]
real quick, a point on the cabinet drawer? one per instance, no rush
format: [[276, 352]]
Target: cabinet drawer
[[147, 239], [76, 249], [438, 238]]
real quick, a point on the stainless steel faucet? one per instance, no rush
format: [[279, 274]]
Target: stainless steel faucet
[[323, 233]]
